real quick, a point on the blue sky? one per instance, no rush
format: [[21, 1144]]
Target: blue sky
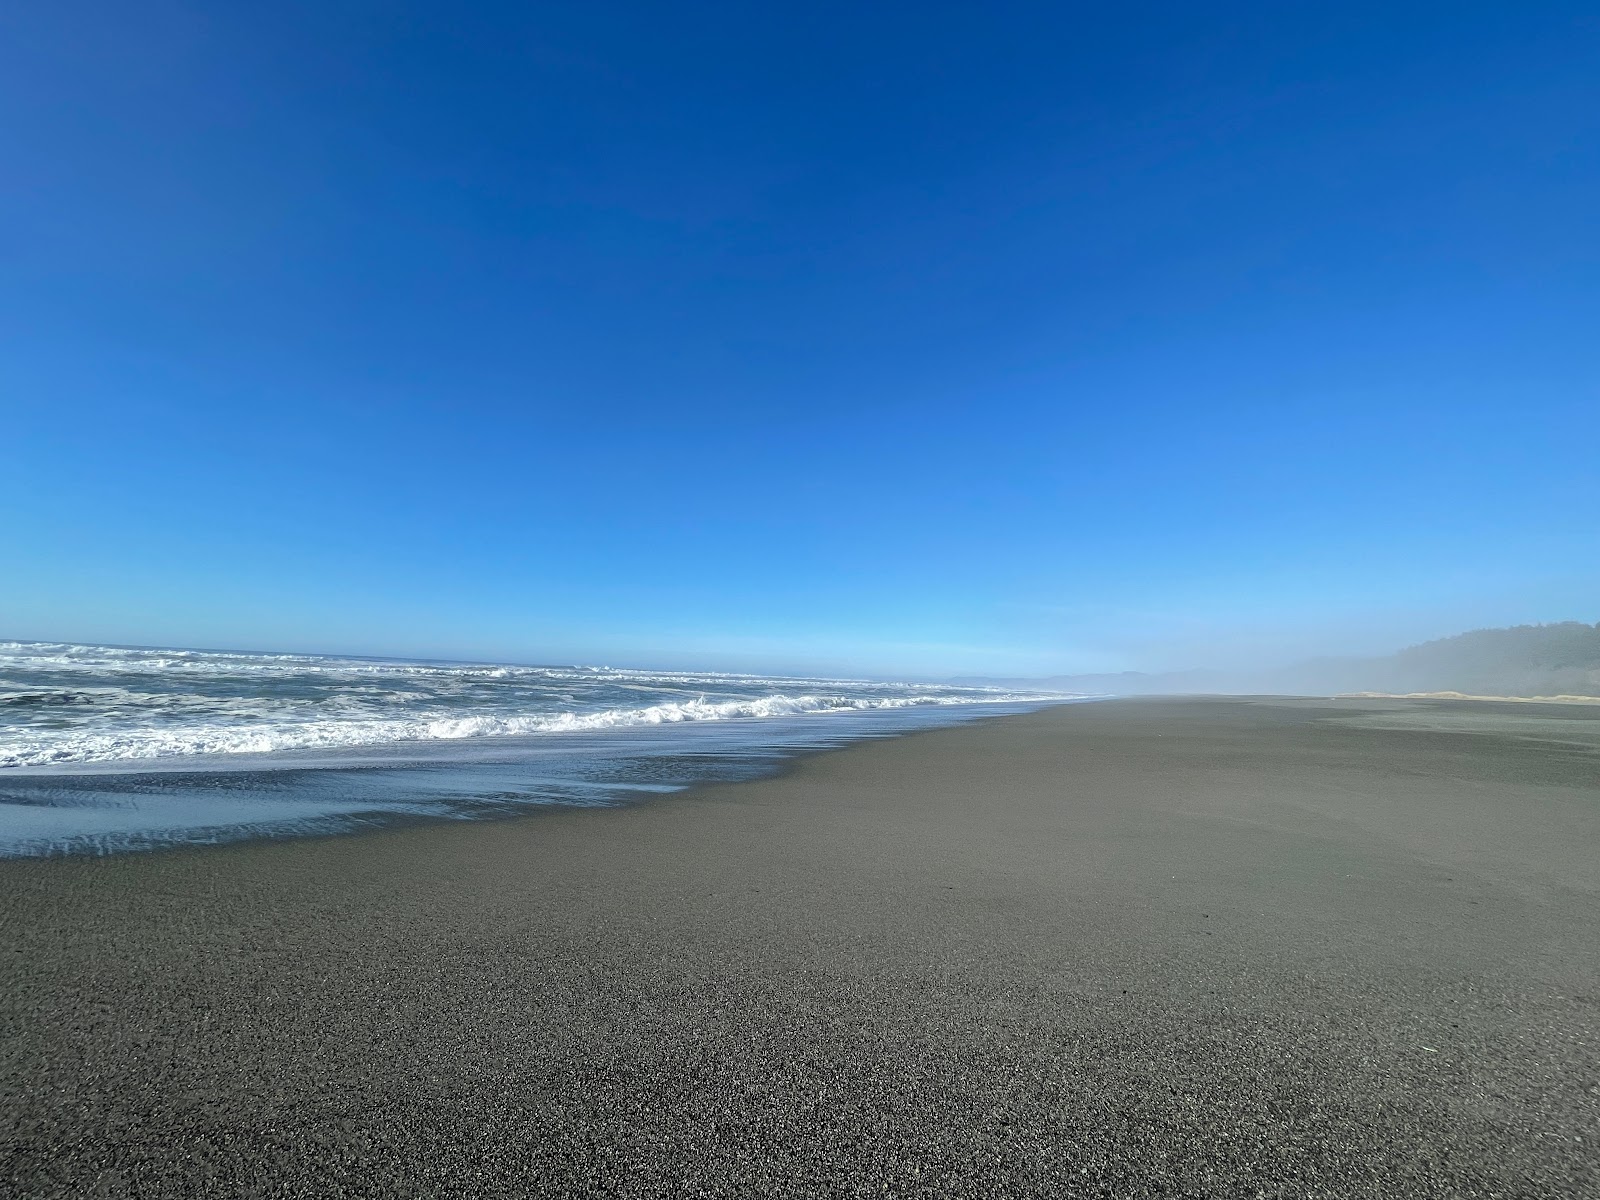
[[898, 339]]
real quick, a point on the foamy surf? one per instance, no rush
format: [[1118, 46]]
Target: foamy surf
[[62, 704]]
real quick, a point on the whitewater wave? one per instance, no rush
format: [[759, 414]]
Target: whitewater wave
[[310, 735], [64, 703], [105, 749]]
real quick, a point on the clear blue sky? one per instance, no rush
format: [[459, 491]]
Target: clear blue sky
[[914, 338]]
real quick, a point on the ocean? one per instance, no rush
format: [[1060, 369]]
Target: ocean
[[109, 748]]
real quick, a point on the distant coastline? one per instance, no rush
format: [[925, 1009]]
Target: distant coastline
[[1552, 662]]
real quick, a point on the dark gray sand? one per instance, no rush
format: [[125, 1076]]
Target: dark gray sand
[[1149, 947]]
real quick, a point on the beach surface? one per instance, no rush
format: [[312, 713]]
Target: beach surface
[[1146, 947]]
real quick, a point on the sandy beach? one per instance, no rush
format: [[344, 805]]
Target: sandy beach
[[1153, 947]]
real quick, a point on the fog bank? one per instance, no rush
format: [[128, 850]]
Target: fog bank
[[1561, 659]]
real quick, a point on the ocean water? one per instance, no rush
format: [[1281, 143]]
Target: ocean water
[[105, 748]]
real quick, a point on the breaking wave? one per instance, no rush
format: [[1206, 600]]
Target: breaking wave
[[62, 703]]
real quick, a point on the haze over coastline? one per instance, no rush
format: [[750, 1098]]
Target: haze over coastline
[[105, 749], [1559, 659]]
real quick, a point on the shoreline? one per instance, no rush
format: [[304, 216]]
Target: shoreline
[[1135, 947], [89, 809]]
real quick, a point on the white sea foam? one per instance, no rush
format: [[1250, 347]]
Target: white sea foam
[[63, 703], [200, 739]]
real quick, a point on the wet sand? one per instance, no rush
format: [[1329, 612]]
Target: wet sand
[[1152, 947]]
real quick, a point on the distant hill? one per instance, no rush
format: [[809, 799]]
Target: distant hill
[[1525, 660], [1562, 659]]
